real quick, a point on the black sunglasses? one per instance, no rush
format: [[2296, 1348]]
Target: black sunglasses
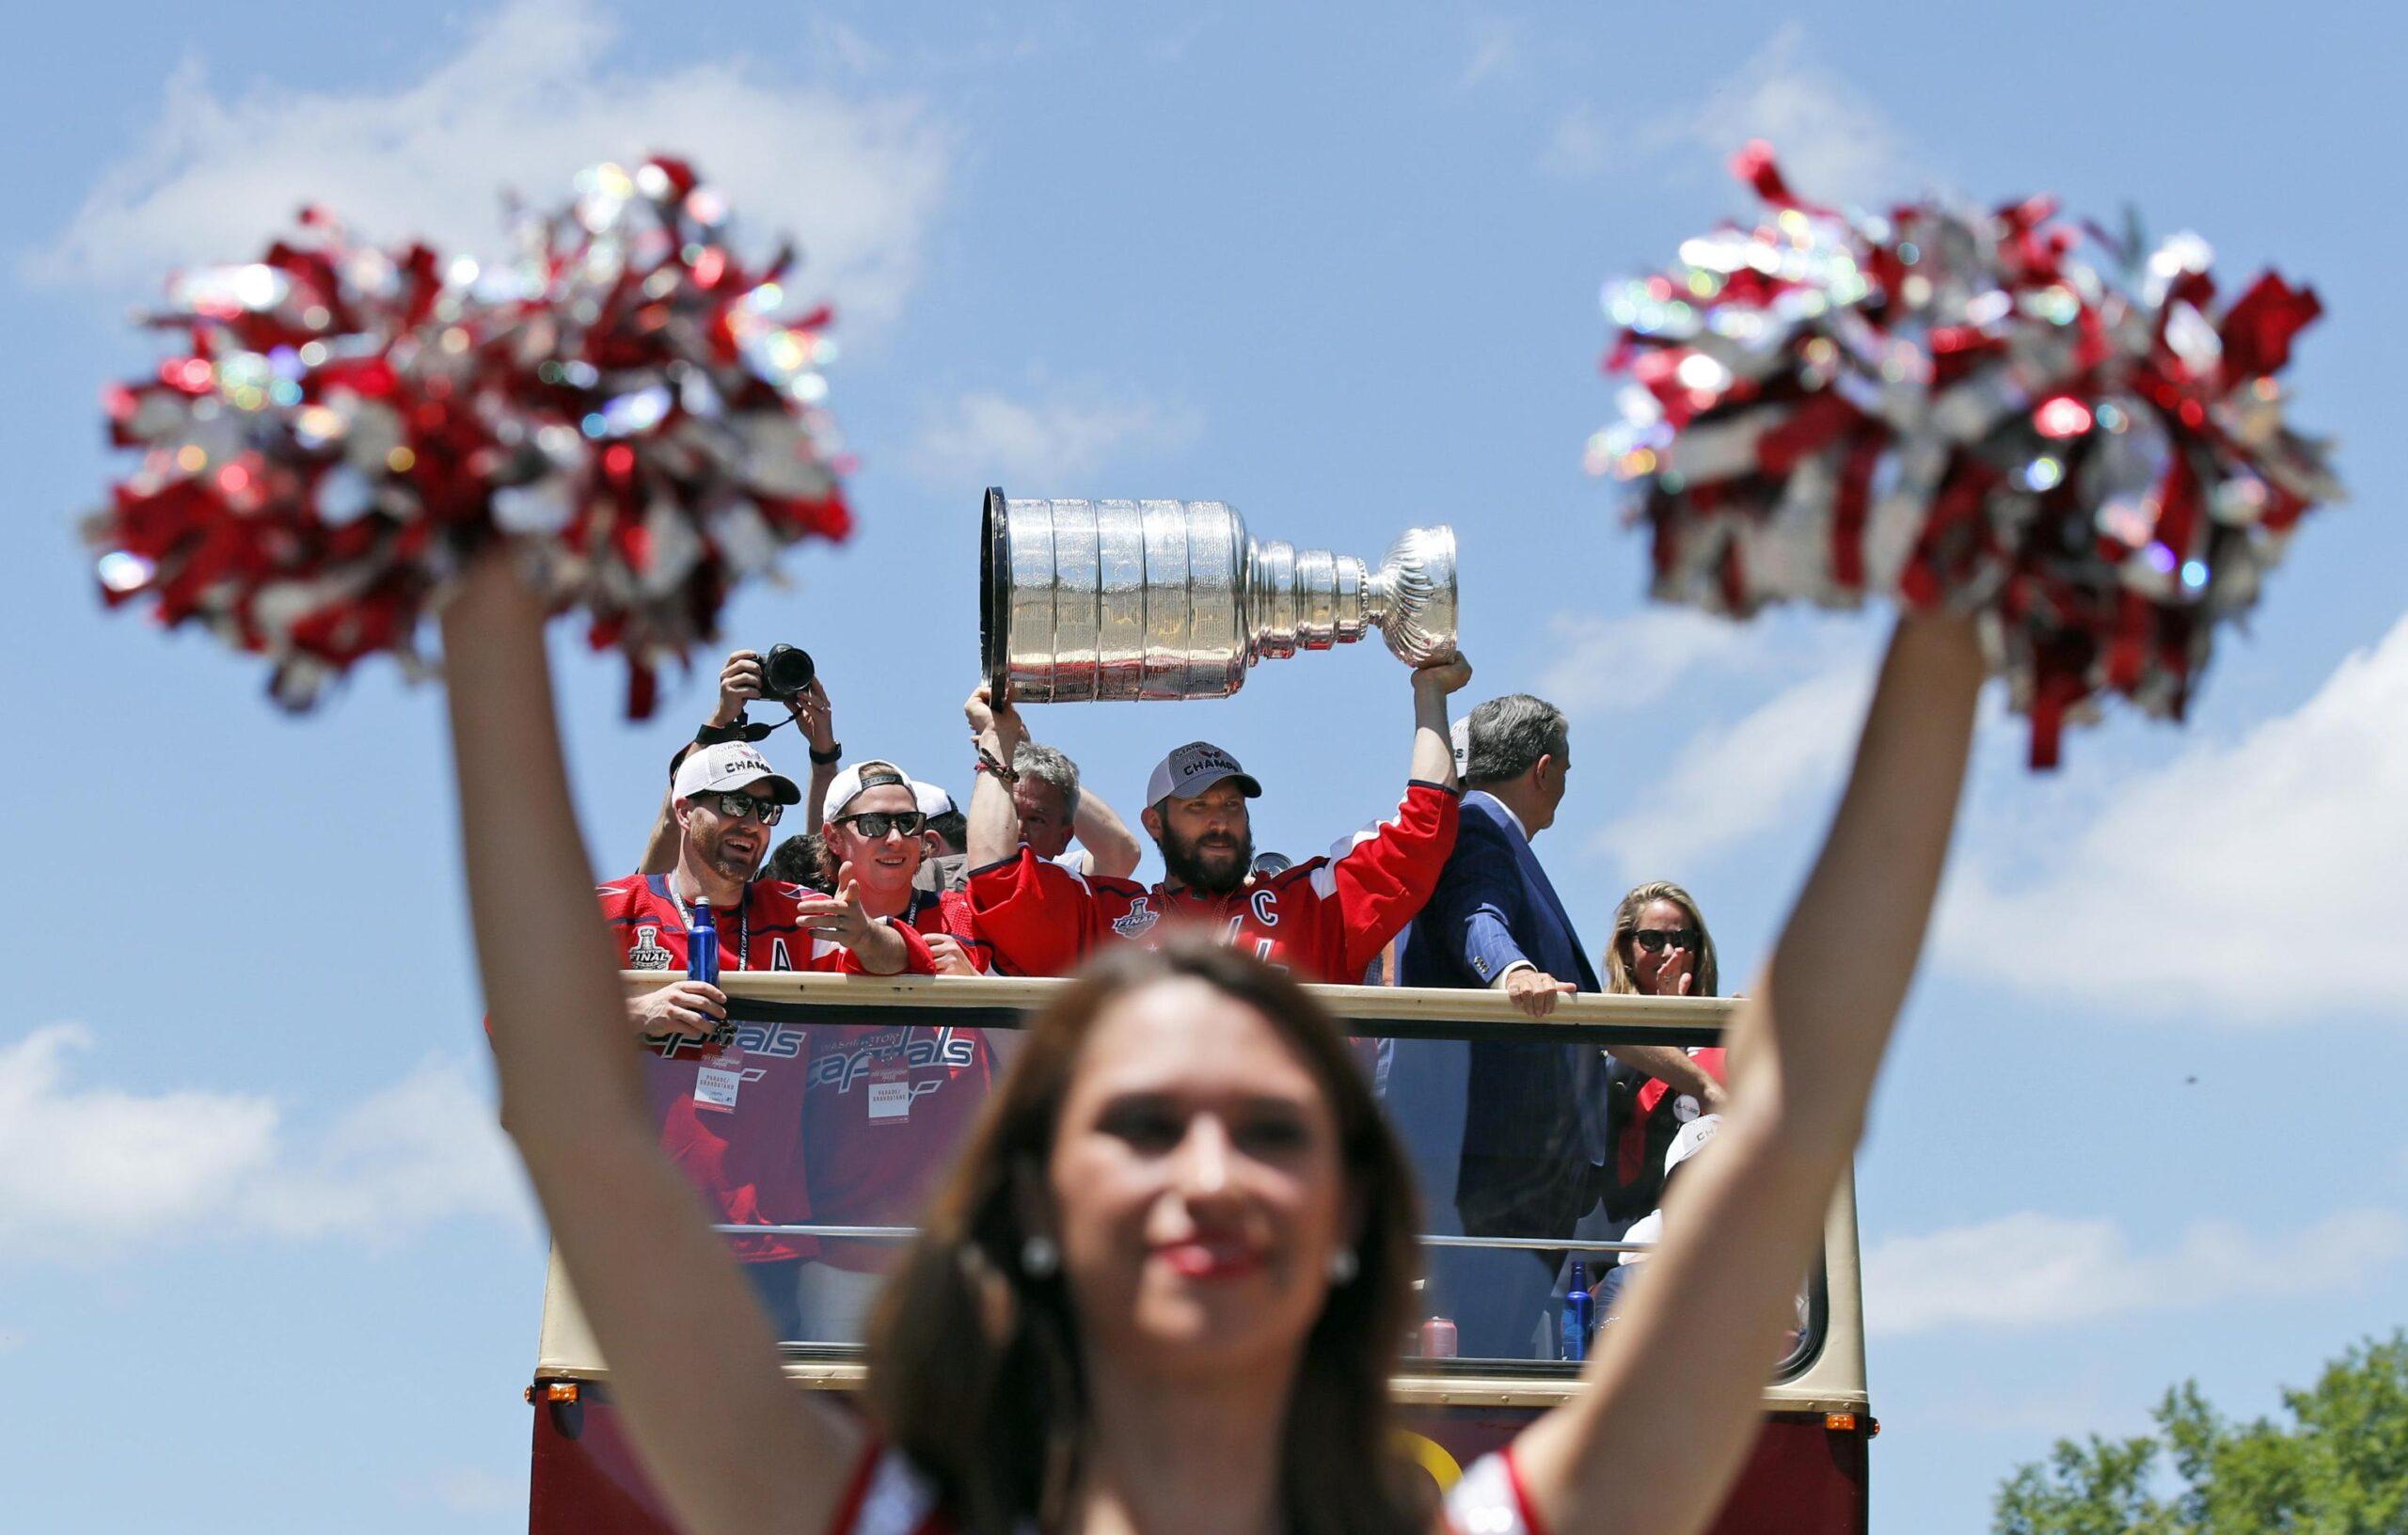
[[736, 806], [875, 824], [1651, 939]]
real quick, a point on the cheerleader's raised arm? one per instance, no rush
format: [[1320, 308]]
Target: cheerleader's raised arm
[[1678, 1389], [693, 1361]]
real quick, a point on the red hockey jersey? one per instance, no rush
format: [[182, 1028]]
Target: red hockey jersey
[[731, 1107], [888, 1105], [1325, 919]]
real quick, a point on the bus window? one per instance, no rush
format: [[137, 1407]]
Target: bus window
[[1524, 1154], [816, 1131]]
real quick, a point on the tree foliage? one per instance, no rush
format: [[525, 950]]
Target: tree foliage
[[2338, 1466]]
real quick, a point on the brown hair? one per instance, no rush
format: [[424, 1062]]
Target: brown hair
[[1619, 980], [975, 1365]]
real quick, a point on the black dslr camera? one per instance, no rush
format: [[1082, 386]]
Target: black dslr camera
[[785, 672]]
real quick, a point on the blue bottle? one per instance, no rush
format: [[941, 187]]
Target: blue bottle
[[1578, 1308], [702, 947]]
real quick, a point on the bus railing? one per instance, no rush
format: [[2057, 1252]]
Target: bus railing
[[905, 1233], [1825, 1375]]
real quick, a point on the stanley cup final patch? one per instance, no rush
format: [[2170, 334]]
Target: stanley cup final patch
[[1139, 917], [647, 952]]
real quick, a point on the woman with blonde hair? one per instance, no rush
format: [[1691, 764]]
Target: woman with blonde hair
[[1660, 946], [1162, 1294]]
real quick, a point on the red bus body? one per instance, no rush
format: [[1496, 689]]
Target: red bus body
[[1804, 1476]]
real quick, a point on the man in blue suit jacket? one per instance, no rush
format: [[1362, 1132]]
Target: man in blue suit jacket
[[1533, 1115]]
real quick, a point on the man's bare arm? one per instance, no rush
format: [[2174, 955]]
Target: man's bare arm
[[1671, 1066], [1434, 749], [1112, 849], [660, 848], [815, 716], [992, 832]]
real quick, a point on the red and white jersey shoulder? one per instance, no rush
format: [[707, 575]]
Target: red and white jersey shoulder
[[1325, 919]]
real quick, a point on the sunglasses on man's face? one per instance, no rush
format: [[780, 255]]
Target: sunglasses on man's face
[[876, 824], [1653, 938], [736, 806]]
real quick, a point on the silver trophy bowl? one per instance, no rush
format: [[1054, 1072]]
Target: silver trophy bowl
[[1084, 600]]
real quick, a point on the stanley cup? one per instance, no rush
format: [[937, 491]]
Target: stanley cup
[[1090, 600]]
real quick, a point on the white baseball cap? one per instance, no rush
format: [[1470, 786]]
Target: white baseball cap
[[1690, 1141], [860, 777], [1194, 767], [1459, 737], [727, 768], [933, 801]]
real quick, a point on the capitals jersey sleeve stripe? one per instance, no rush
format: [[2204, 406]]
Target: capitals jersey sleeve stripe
[[917, 960], [1384, 875]]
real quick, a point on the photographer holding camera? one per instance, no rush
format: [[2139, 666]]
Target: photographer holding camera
[[785, 675]]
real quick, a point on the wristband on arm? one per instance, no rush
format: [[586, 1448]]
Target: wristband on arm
[[743, 730], [989, 763]]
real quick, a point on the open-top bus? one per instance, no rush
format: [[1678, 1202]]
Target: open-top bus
[[1807, 1473]]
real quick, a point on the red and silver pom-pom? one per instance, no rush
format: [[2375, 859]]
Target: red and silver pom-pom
[[1955, 408], [618, 396]]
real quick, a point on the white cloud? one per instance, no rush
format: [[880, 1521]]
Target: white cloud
[[528, 99], [87, 1169], [2037, 1269], [2046, 1412], [1495, 51], [470, 1490], [1611, 665], [1171, 47], [1046, 441], [845, 46], [424, 1150], [1835, 144], [1734, 781], [94, 1162], [2255, 880], [1580, 145]]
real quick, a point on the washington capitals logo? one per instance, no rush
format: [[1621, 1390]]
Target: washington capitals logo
[[843, 1065]]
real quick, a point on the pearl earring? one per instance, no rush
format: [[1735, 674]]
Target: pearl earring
[[1344, 1266], [1038, 1258]]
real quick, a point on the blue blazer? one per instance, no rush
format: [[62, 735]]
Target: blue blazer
[[1493, 906]]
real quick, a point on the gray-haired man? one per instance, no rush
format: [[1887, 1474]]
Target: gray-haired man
[[1052, 809], [1533, 1126]]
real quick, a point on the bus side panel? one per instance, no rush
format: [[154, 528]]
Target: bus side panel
[[585, 1480], [1804, 1476], [1801, 1479]]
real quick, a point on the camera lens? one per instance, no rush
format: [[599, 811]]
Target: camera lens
[[785, 672]]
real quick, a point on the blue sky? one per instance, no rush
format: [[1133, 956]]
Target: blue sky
[[261, 1264]]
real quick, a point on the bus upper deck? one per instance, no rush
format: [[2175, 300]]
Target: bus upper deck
[[814, 1047]]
